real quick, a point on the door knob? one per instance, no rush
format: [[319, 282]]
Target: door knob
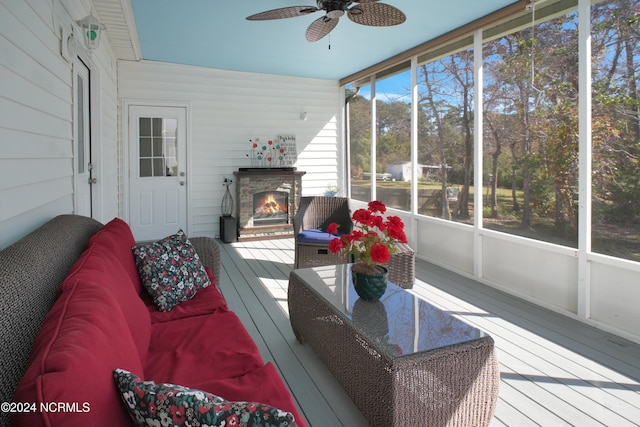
[[181, 182], [181, 173]]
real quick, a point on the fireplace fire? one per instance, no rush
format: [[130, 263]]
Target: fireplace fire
[[270, 207], [266, 202]]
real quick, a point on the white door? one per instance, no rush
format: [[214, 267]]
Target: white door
[[82, 146], [158, 171]]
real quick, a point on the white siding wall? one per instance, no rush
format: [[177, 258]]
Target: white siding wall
[[36, 119], [227, 109]]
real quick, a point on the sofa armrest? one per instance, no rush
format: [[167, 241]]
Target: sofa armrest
[[209, 253], [31, 271]]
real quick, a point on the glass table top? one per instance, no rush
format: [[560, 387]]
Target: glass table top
[[401, 323]]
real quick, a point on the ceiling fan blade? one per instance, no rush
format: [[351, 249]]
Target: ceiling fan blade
[[376, 14], [320, 28], [284, 12], [364, 1]]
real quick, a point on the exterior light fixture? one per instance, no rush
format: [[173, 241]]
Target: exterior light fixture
[[91, 30]]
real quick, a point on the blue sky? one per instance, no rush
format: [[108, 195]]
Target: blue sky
[[394, 88]]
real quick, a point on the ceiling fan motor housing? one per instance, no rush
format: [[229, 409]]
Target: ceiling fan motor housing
[[334, 8]]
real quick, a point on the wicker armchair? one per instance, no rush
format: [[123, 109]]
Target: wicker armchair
[[310, 226]]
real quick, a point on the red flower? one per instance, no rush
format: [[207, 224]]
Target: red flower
[[394, 221], [377, 206], [177, 413], [380, 253], [335, 245], [373, 240], [398, 234], [362, 216], [377, 221], [232, 420], [333, 228], [357, 235], [139, 391]]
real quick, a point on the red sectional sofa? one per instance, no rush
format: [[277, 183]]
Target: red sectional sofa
[[105, 353]]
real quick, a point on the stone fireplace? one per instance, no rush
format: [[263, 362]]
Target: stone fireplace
[[266, 202]]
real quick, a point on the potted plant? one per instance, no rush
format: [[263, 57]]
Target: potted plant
[[371, 243], [331, 191]]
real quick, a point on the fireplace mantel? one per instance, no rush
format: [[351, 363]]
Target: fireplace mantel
[[250, 181]]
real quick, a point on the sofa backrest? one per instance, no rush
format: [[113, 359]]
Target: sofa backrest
[[30, 272]]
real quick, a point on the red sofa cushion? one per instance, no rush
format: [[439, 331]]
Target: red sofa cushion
[[215, 346], [260, 385], [116, 236], [99, 265], [205, 301], [73, 358]]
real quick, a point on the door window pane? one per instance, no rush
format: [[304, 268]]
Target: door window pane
[[146, 168], [145, 147], [80, 140], [158, 146], [170, 142], [145, 126], [158, 167]]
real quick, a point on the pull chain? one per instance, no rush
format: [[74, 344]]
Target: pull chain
[[533, 51]]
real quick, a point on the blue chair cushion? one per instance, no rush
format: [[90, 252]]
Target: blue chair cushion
[[316, 236]]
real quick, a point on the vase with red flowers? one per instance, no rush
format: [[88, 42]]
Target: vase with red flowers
[[371, 243]]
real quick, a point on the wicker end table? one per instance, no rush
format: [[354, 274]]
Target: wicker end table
[[402, 266], [402, 361]]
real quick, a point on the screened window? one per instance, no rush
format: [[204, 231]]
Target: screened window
[[393, 140], [616, 128], [530, 182], [531, 131], [359, 129], [445, 136]]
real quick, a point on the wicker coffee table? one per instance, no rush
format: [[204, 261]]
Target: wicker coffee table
[[403, 361]]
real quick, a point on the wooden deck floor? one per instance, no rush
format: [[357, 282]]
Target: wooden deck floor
[[554, 371]]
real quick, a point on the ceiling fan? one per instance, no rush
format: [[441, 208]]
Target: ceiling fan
[[364, 12]]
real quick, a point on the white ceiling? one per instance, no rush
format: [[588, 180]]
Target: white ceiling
[[215, 33]]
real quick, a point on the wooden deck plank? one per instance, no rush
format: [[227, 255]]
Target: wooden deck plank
[[255, 317], [554, 370], [549, 366], [550, 323], [260, 285], [582, 375]]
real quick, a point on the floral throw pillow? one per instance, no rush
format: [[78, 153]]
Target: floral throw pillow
[[150, 404], [170, 270]]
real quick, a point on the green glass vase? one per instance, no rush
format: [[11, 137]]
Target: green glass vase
[[370, 287]]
